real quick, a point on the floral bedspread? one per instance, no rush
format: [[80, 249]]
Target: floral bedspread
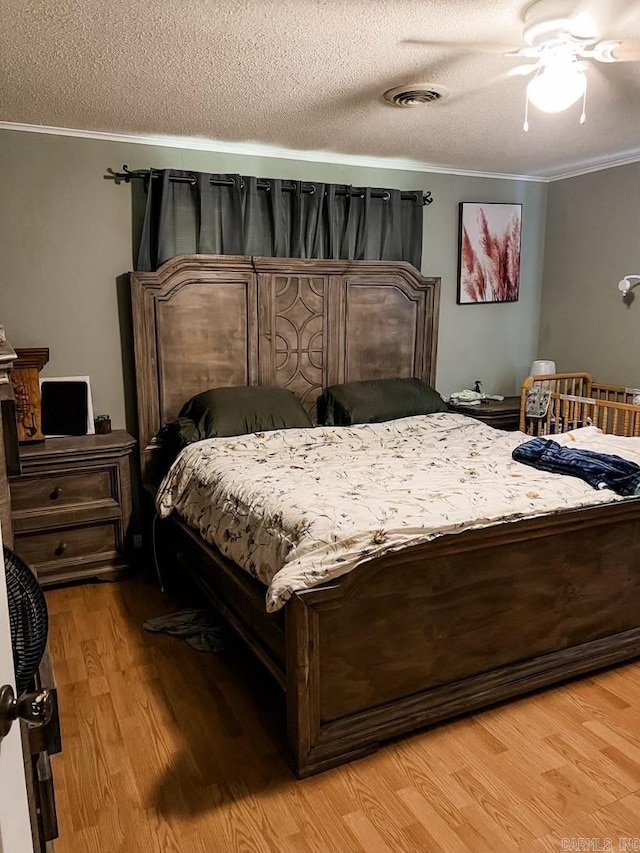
[[296, 508]]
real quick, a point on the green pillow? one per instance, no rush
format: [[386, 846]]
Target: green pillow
[[377, 400], [243, 409]]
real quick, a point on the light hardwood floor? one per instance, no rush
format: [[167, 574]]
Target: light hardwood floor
[[168, 749]]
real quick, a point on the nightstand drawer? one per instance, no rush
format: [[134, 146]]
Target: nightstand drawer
[[51, 491], [65, 545]]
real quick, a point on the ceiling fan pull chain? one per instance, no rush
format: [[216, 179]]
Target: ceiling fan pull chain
[[525, 126], [583, 116]]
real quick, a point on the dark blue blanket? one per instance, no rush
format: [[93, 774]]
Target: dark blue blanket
[[600, 470]]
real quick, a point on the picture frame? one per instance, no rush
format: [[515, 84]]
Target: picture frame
[[69, 382], [489, 248]]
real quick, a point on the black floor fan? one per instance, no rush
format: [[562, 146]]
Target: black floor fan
[[28, 619]]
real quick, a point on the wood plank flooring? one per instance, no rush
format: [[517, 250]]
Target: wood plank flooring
[[168, 749]]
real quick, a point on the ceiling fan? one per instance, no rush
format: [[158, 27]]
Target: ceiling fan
[[561, 38]]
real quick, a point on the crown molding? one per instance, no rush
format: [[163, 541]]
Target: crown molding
[[625, 159], [258, 149]]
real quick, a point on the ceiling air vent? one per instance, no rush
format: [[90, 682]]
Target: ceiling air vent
[[414, 94]]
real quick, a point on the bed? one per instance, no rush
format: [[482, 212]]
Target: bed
[[413, 636]]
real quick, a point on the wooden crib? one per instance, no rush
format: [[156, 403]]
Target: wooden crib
[[575, 400]]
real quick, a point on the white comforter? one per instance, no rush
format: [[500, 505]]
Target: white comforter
[[296, 508]]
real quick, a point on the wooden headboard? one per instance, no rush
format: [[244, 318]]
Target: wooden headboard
[[202, 321]]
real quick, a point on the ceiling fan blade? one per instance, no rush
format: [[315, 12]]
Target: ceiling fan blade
[[525, 53], [593, 18], [463, 94], [617, 51], [468, 46], [523, 70]]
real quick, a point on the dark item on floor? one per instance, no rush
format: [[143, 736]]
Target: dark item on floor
[[200, 628]]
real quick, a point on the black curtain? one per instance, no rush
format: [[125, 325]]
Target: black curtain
[[237, 215]]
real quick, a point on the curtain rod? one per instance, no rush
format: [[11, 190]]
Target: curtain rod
[[127, 175]]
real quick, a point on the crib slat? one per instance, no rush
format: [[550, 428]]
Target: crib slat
[[576, 400]]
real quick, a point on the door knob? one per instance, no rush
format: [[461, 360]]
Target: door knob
[[34, 708]]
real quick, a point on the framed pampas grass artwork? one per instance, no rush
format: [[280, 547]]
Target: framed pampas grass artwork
[[489, 257]]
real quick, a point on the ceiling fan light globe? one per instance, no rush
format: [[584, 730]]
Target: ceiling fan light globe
[[555, 89]]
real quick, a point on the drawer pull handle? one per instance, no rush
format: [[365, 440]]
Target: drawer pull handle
[[55, 494], [62, 547]]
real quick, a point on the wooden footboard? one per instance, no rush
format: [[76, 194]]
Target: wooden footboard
[[436, 630], [460, 623]]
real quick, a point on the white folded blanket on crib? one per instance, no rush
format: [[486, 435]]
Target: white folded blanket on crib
[[591, 438]]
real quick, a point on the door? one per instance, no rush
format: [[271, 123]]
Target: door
[[15, 826]]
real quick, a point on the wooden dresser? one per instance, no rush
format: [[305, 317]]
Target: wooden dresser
[[71, 506]]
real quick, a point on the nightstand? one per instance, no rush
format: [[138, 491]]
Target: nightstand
[[501, 414], [71, 506]]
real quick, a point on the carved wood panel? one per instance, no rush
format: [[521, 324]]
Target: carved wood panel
[[293, 324]]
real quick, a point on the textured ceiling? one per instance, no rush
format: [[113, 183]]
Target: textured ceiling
[[306, 74]]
